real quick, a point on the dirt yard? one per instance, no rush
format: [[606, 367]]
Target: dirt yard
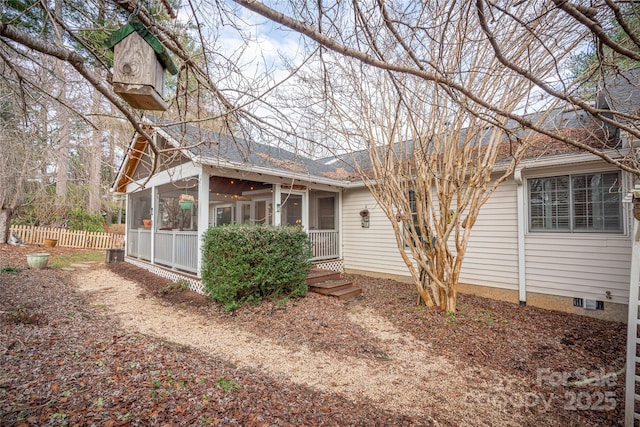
[[117, 346]]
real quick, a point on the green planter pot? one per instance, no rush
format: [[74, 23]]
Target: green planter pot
[[37, 260], [185, 205]]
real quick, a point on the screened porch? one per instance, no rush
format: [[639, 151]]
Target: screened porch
[[162, 225]]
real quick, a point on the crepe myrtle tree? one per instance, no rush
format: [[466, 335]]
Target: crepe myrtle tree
[[428, 157], [458, 78], [428, 96]]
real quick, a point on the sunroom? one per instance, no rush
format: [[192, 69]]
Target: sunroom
[[167, 213]]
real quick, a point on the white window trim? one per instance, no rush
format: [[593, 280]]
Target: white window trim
[[624, 179]]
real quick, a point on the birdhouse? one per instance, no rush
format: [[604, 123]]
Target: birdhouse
[[139, 64]]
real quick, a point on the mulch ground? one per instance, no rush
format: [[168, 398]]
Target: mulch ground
[[65, 362]]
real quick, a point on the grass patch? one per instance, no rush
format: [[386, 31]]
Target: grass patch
[[65, 260], [10, 270]]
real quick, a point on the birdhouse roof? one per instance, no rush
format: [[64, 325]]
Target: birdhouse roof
[[161, 51]]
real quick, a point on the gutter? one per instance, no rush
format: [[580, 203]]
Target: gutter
[[199, 160]]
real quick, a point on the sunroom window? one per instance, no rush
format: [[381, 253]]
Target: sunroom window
[[576, 203]]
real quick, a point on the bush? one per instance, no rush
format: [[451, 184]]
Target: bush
[[79, 219], [247, 263]]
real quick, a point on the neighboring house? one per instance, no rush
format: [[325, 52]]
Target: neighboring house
[[555, 235]]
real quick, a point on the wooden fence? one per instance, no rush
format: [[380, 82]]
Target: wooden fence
[[69, 238]]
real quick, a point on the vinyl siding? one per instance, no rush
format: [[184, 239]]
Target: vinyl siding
[[369, 249], [584, 265], [578, 265], [491, 257], [492, 252]]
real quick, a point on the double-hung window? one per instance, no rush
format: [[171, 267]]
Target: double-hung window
[[414, 201], [576, 203]]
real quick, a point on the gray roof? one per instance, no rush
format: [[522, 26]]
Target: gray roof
[[213, 148], [621, 92]]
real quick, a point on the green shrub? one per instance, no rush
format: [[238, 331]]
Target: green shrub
[[79, 219], [247, 263]]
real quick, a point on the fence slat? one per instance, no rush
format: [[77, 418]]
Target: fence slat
[[69, 238]]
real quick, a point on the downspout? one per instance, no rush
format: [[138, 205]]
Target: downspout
[[520, 209]]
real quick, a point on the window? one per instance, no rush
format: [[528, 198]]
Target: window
[[588, 202], [414, 199], [224, 215]]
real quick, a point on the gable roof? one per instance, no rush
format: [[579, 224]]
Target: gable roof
[[221, 150], [217, 149], [620, 92]]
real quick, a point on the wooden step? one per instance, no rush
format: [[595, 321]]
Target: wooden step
[[329, 283], [329, 286], [317, 276], [348, 293]]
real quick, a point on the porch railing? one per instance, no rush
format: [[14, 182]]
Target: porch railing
[[324, 244], [177, 249], [139, 243]]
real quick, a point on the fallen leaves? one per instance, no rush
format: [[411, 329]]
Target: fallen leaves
[[76, 365]]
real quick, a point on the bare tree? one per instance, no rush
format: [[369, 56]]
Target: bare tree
[[554, 28], [19, 161], [428, 157]]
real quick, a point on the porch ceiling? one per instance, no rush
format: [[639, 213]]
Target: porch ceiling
[[218, 184]]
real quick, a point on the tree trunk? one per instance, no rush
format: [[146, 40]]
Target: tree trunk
[[62, 171], [5, 224], [95, 161]]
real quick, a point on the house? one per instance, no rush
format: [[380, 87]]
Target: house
[[555, 235]]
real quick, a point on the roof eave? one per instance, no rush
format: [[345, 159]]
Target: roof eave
[[225, 164]]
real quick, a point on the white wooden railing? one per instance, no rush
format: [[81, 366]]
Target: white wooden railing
[[139, 243], [177, 249], [324, 244]]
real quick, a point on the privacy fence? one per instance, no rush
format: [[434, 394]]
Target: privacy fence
[[69, 238]]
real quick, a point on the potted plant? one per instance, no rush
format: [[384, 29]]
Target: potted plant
[[50, 243], [186, 201], [146, 222], [38, 260]]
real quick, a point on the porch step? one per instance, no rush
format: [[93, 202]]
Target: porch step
[[317, 275], [329, 286], [329, 283]]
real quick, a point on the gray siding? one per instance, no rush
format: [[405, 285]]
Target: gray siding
[[579, 265]]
